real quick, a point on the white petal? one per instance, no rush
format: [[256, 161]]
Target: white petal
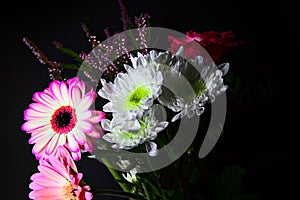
[[152, 149]]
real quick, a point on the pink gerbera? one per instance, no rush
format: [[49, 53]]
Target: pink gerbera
[[57, 180], [61, 115]]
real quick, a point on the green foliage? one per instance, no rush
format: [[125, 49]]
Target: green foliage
[[71, 53]]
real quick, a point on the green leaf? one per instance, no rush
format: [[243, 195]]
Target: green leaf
[[70, 66], [122, 181], [71, 53]]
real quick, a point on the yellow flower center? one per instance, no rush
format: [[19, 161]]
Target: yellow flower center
[[70, 191]]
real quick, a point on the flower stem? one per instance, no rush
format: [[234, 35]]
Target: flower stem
[[116, 175], [146, 191], [116, 193]]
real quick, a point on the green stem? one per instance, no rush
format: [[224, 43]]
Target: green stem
[[146, 191], [116, 175], [116, 193]]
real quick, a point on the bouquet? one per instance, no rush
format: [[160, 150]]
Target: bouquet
[[147, 102]]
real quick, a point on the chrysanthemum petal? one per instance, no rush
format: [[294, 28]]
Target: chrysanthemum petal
[[108, 107]]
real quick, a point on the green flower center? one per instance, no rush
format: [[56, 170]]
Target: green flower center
[[199, 87], [132, 135], [136, 96]]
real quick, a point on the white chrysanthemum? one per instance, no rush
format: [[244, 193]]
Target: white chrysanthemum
[[189, 85], [149, 128], [131, 94], [156, 60]]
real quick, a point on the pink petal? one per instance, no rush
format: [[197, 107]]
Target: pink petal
[[55, 90], [97, 116], [52, 144], [52, 177], [88, 146], [33, 125], [97, 131], [88, 196], [48, 194], [30, 114], [43, 98], [62, 139], [84, 115], [76, 156], [75, 95], [86, 102], [40, 108], [64, 93], [43, 134], [72, 144], [55, 181], [73, 81], [49, 99], [59, 167], [41, 143], [85, 126], [79, 137]]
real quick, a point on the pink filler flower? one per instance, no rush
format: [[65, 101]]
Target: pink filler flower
[[58, 180], [215, 43], [61, 116]]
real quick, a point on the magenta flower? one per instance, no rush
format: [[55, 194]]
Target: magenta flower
[[57, 180], [61, 115], [217, 44]]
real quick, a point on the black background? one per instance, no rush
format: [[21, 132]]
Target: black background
[[263, 141]]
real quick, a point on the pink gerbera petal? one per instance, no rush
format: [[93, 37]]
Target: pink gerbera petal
[[72, 144], [75, 94], [86, 102], [97, 116], [85, 126], [79, 137]]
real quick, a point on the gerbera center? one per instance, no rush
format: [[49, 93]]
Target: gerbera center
[[63, 119], [135, 98], [70, 191]]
